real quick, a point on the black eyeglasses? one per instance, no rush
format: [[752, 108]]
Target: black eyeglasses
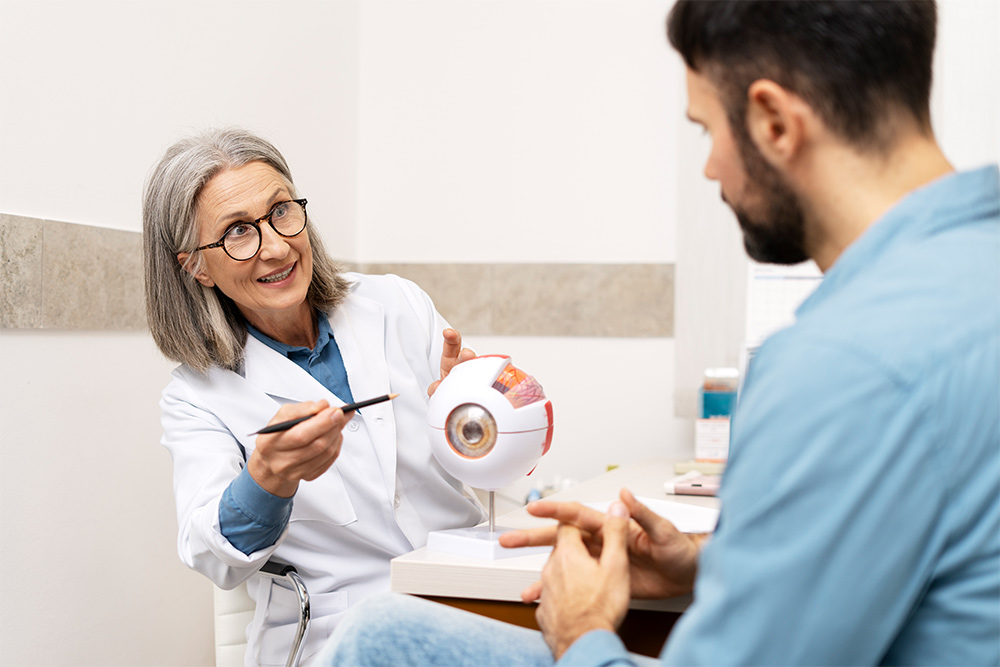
[[242, 240]]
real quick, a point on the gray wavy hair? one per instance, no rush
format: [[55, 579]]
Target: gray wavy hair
[[193, 324]]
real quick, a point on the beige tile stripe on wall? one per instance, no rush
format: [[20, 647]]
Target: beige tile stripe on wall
[[76, 277]]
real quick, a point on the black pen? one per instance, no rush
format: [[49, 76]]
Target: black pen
[[284, 426]]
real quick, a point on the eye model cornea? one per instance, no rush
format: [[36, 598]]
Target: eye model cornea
[[471, 430]]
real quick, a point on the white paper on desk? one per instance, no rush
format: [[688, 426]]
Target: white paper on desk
[[687, 518]]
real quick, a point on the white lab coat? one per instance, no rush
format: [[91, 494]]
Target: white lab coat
[[380, 498]]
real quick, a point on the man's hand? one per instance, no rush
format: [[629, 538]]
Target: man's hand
[[451, 355], [663, 560], [581, 593]]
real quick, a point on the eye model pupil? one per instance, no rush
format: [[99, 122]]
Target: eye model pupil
[[472, 432]]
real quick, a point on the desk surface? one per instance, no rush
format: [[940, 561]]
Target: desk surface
[[431, 573]]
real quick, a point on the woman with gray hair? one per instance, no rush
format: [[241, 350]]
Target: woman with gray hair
[[267, 329]]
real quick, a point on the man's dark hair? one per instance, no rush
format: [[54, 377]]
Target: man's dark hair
[[857, 63]]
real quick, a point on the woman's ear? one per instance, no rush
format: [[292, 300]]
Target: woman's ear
[[200, 276], [776, 121]]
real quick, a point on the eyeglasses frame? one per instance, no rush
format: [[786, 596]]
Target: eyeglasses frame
[[221, 243]]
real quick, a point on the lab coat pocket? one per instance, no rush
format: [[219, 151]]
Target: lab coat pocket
[[277, 621], [324, 499]]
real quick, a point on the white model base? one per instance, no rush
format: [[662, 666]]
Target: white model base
[[477, 542]]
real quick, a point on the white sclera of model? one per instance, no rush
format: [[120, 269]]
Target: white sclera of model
[[487, 435]]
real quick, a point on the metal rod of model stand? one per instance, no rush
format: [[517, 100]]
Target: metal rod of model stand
[[491, 513]]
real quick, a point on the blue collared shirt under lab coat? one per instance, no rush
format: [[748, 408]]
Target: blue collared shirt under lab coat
[[861, 505], [250, 517]]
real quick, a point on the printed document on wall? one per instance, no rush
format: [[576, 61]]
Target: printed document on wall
[[774, 292]]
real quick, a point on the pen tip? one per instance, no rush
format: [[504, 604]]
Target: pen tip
[[392, 396]]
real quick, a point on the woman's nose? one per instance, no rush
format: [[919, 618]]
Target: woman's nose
[[272, 244]]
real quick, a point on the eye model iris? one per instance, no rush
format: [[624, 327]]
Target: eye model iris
[[471, 430]]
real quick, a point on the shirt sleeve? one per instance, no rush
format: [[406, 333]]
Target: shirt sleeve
[[250, 517], [597, 648]]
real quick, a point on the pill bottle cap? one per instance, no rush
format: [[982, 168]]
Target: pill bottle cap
[[721, 379]]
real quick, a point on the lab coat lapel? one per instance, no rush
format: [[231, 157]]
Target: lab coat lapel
[[246, 401], [285, 381], [359, 329], [280, 377]]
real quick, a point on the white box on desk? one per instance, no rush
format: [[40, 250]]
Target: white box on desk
[[711, 439]]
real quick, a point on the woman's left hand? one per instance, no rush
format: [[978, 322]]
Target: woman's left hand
[[452, 355]]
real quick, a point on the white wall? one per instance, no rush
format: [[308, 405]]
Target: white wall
[[517, 131], [86, 508], [532, 131], [965, 104], [94, 91]]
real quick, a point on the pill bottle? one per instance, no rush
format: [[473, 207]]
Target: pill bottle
[[717, 397]]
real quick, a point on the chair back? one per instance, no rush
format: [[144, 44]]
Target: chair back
[[233, 612]]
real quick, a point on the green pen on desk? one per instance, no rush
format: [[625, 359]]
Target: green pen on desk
[[284, 426]]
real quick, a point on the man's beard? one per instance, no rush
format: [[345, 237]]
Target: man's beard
[[777, 235]]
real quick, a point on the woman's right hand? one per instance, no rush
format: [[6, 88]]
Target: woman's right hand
[[452, 354], [303, 452]]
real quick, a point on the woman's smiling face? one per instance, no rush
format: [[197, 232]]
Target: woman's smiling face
[[269, 289]]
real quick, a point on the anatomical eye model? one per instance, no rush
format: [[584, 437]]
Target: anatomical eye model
[[489, 424]]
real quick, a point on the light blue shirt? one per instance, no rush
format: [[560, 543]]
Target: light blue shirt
[[250, 517], [861, 503]]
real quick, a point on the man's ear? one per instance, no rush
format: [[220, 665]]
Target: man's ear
[[200, 276], [776, 119]]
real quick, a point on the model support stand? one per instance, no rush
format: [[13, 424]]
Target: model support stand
[[482, 541]]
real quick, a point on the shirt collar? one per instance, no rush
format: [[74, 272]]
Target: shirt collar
[[325, 333]]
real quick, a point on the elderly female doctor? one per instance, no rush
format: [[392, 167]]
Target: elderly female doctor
[[241, 292]]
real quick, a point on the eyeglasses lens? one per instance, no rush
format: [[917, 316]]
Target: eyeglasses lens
[[243, 240], [289, 218]]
